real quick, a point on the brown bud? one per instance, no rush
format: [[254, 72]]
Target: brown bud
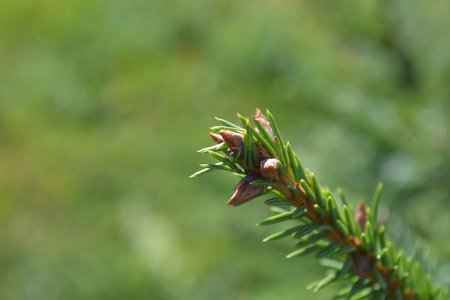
[[259, 117], [360, 215], [216, 137], [235, 141], [219, 140], [246, 191], [269, 168]]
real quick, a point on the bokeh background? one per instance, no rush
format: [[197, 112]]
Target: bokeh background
[[103, 105]]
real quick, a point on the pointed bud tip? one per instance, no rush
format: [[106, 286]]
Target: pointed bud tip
[[233, 201], [216, 137], [245, 191], [234, 140], [259, 117], [360, 215]]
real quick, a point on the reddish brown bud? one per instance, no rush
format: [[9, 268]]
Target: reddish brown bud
[[259, 117], [216, 137], [246, 191], [269, 168], [219, 140], [360, 215], [235, 141]]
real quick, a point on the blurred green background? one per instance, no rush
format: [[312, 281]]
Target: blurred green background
[[103, 105]]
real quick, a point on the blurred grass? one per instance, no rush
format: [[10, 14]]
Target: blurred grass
[[104, 103]]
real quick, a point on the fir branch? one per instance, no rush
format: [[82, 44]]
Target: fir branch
[[366, 259]]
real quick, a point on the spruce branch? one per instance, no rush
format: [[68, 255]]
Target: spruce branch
[[354, 245]]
